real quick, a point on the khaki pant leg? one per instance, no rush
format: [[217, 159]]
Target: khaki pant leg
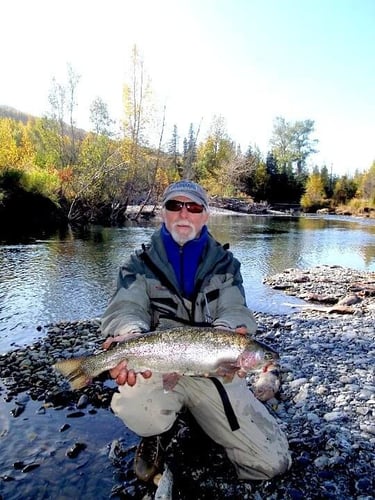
[[258, 449], [146, 408]]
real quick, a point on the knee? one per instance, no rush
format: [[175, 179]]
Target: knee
[[259, 468], [144, 421], [284, 463], [280, 464]]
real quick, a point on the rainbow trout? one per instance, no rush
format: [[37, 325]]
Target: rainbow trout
[[193, 351]]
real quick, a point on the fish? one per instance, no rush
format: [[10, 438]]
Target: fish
[[183, 351]]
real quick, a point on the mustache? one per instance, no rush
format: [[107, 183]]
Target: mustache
[[182, 222]]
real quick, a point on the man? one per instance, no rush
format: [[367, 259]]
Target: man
[[186, 277]]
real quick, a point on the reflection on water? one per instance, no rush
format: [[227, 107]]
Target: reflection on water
[[71, 277]]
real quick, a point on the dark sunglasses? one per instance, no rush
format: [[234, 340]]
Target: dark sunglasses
[[191, 206]]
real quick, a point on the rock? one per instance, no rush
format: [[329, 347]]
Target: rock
[[75, 450], [326, 402]]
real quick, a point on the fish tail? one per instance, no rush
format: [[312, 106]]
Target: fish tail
[[74, 372]]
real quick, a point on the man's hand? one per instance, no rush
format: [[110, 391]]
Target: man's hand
[[241, 330], [123, 375], [133, 333]]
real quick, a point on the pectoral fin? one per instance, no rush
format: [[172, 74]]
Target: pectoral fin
[[227, 370], [170, 380]]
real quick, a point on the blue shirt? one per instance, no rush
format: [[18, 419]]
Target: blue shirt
[[185, 258]]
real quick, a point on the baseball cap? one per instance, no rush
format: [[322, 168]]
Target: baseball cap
[[186, 188]]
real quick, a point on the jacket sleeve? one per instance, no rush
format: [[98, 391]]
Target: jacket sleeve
[[232, 310], [128, 312]]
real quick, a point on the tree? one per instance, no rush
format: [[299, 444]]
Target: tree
[[291, 144], [218, 166], [138, 113], [62, 99], [100, 120], [344, 190], [315, 195], [73, 80], [189, 156], [302, 144], [173, 150], [327, 179], [256, 177], [367, 184], [9, 152]]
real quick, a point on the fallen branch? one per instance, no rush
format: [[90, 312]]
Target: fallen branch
[[334, 309]]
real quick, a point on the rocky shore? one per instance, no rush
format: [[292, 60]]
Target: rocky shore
[[326, 404]]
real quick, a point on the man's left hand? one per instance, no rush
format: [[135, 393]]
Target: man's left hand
[[241, 330]]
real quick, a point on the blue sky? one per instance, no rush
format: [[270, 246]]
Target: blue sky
[[247, 60]]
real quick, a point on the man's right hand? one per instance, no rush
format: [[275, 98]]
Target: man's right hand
[[123, 375]]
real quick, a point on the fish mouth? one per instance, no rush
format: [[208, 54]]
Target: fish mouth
[[271, 355]]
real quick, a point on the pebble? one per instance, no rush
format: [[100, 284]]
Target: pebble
[[75, 450], [326, 404]]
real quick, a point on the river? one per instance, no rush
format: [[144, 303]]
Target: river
[[72, 276]]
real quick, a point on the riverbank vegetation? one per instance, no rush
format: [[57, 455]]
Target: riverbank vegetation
[[94, 175]]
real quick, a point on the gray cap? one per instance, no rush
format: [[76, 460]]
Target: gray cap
[[189, 189]]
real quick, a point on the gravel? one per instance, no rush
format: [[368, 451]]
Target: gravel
[[326, 405]]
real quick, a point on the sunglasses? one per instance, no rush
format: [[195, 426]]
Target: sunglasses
[[191, 206]]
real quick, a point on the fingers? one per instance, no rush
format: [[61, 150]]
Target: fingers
[[107, 343], [122, 375], [241, 330], [114, 372], [130, 377]]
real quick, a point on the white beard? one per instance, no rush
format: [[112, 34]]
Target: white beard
[[179, 238]]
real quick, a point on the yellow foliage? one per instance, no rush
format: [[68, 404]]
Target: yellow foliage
[[8, 146], [359, 204], [16, 146], [41, 181]]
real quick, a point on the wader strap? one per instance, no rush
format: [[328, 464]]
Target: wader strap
[[228, 409]]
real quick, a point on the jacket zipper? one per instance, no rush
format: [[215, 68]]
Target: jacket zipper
[[181, 251]]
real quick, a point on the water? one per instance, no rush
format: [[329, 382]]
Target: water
[[72, 277]]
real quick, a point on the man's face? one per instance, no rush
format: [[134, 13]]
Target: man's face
[[184, 225]]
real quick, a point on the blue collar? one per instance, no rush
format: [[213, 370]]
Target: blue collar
[[185, 259]]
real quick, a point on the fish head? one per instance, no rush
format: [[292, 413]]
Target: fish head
[[255, 355]]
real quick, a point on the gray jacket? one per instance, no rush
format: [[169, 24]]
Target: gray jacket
[[148, 295]]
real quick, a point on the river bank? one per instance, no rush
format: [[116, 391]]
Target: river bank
[[326, 407]]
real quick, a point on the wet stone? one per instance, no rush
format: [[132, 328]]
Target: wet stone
[[30, 467], [75, 450], [325, 363]]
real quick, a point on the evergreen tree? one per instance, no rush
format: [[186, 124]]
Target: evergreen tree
[[173, 150]]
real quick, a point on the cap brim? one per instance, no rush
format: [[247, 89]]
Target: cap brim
[[191, 197]]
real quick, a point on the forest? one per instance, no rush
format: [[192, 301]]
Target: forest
[[94, 175]]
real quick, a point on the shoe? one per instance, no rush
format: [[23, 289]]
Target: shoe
[[148, 459]]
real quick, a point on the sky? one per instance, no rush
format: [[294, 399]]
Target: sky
[[248, 61]]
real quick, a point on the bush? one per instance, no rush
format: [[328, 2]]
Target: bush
[[42, 182]]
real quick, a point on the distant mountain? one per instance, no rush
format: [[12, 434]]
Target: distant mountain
[[15, 114]]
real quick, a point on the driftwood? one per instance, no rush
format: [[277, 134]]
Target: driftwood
[[334, 309], [367, 289]]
